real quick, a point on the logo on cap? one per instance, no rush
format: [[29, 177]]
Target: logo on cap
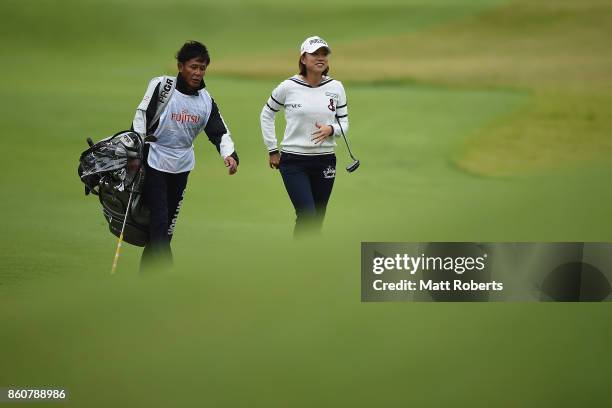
[[311, 44]]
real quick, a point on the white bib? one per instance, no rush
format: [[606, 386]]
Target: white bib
[[184, 117]]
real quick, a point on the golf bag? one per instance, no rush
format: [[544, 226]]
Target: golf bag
[[113, 169]]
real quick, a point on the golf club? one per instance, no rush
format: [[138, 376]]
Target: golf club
[[120, 240], [353, 166]]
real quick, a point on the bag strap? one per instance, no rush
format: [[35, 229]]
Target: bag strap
[[166, 89]]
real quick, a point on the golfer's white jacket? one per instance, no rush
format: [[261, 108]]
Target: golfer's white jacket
[[305, 106]]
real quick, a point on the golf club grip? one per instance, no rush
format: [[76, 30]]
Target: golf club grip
[[120, 241], [117, 251]]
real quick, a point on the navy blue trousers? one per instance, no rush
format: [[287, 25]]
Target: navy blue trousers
[[163, 195], [309, 181]]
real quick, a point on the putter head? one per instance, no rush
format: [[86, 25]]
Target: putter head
[[353, 166]]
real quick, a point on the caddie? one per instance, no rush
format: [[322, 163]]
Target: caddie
[[175, 110]]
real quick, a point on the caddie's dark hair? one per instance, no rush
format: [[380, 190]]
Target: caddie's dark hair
[[303, 69], [193, 49]]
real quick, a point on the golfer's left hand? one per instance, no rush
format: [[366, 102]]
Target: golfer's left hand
[[231, 165], [322, 132]]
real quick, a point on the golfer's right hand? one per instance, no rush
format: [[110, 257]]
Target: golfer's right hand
[[274, 160]]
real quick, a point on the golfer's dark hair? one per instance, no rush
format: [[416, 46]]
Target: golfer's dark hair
[[303, 68], [193, 49]]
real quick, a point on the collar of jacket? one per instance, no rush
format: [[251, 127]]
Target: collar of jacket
[[182, 87]]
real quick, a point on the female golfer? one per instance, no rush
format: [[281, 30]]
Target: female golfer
[[315, 108]]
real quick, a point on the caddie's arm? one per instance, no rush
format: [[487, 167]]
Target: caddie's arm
[[219, 135]]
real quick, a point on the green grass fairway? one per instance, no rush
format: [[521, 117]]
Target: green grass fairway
[[474, 120]]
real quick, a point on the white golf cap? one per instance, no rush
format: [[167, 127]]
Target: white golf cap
[[311, 44]]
